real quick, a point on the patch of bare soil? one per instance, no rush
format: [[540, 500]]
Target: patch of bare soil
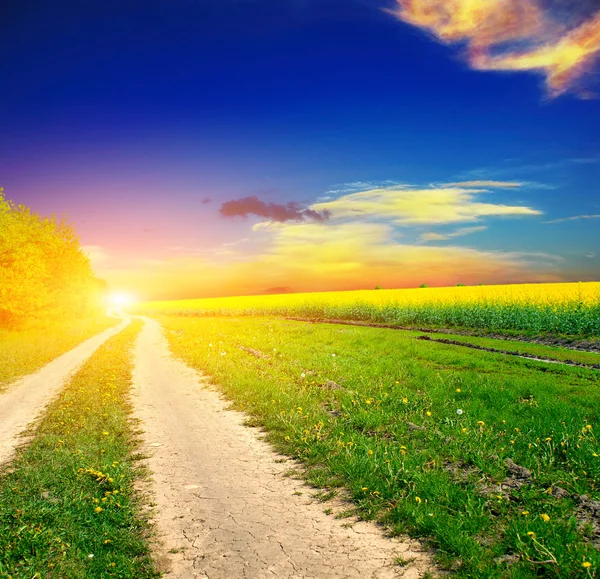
[[26, 399], [224, 507]]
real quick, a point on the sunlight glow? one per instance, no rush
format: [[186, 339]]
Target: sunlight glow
[[121, 299]]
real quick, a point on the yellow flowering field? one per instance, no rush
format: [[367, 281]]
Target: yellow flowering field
[[564, 308]]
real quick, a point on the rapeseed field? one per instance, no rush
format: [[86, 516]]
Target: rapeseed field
[[557, 308]]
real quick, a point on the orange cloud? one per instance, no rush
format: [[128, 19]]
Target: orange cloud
[[318, 257], [510, 35]]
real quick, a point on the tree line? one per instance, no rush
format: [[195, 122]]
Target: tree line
[[44, 273]]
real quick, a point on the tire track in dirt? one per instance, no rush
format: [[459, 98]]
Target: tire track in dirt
[[26, 399], [225, 509]]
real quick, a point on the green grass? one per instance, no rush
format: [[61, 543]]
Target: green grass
[[68, 508], [541, 350], [25, 351], [375, 411]]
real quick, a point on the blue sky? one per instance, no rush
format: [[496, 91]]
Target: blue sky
[[141, 119]]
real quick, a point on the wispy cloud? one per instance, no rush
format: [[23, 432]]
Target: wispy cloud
[[273, 211], [355, 186], [490, 184], [513, 35], [574, 218], [445, 236], [414, 206], [513, 168]]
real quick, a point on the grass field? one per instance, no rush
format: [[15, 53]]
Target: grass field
[[67, 503], [25, 351], [565, 309], [493, 459]]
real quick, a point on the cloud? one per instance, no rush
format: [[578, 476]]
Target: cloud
[[318, 256], [575, 218], [406, 206], [360, 250], [491, 184], [273, 211], [458, 233], [514, 35], [514, 169], [358, 241]]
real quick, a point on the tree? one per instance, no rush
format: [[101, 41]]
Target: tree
[[43, 271]]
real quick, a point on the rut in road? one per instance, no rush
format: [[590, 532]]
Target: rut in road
[[224, 508], [25, 399]]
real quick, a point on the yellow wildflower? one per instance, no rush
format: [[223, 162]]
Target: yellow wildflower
[[544, 517]]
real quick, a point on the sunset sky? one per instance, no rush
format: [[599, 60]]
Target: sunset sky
[[228, 147]]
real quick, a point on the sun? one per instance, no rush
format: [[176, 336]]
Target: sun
[[121, 299]]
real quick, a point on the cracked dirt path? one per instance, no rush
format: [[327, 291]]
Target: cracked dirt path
[[25, 399], [224, 508]]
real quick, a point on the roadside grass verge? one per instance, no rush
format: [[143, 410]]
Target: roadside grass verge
[[494, 460], [25, 351], [67, 503]]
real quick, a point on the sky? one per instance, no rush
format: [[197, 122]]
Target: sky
[[232, 147]]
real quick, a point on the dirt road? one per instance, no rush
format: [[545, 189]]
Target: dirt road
[[224, 508], [25, 399]]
